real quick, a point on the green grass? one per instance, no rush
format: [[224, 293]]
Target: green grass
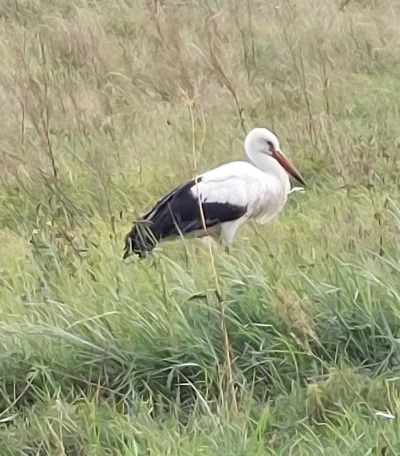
[[105, 106]]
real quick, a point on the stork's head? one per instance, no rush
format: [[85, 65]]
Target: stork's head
[[261, 140]]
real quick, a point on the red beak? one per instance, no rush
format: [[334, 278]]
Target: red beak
[[289, 167]]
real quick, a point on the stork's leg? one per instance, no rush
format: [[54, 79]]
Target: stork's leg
[[228, 231], [227, 249]]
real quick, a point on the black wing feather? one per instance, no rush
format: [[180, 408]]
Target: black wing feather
[[177, 213]]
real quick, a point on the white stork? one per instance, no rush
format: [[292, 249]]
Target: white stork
[[230, 195]]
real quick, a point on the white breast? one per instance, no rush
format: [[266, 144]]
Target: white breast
[[271, 201]]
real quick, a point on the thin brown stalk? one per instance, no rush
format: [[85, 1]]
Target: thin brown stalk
[[22, 122], [193, 137], [219, 69], [298, 63], [230, 384], [250, 22]]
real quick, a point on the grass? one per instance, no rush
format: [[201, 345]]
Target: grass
[[107, 105]]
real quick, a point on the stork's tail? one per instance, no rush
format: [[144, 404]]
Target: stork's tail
[[140, 241]]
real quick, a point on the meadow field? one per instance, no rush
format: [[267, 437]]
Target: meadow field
[[104, 107]]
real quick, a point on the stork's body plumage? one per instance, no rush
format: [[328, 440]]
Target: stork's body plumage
[[218, 202]]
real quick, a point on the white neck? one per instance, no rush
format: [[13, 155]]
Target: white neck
[[269, 166]]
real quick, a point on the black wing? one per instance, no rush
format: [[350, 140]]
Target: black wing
[[177, 213]]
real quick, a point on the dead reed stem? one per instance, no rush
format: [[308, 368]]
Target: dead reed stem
[[230, 384]]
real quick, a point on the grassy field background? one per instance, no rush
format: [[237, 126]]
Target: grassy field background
[[105, 106]]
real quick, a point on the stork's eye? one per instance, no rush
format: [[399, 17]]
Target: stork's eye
[[270, 144]]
